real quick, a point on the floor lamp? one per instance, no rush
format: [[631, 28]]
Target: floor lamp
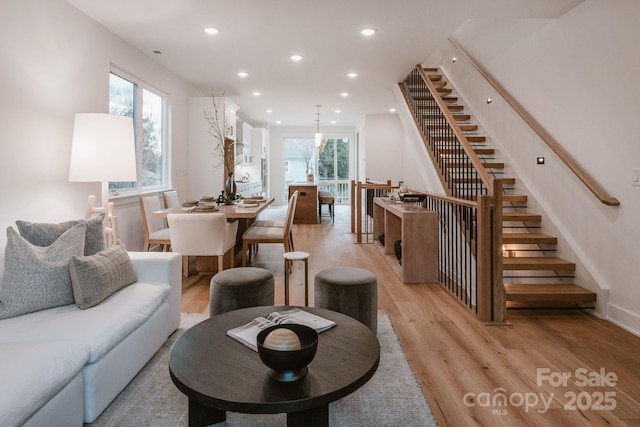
[[103, 150]]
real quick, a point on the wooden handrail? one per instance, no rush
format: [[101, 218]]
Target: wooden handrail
[[593, 186], [469, 151]]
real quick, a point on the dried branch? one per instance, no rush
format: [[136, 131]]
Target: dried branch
[[219, 129]]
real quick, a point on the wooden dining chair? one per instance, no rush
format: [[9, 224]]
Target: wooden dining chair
[[256, 234], [171, 199], [279, 223], [202, 234], [154, 230]]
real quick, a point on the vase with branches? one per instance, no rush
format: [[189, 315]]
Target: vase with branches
[[307, 153], [223, 148]]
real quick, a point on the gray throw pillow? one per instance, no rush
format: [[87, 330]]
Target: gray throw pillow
[[96, 277], [36, 278], [44, 234]]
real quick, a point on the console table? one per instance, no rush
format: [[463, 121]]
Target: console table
[[417, 228]]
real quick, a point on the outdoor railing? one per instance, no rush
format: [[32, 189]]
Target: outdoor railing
[[340, 188]]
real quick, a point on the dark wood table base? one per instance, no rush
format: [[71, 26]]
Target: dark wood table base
[[203, 416]]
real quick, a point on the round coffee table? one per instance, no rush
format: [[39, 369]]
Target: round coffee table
[[219, 374]]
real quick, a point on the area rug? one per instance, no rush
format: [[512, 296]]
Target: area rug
[[391, 398]]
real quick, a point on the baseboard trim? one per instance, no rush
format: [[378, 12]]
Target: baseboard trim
[[624, 318]]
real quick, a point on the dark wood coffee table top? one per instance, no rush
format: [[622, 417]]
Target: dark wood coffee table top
[[216, 371]]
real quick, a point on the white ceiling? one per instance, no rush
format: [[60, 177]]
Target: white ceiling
[[259, 36]]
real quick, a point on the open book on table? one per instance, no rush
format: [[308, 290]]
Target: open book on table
[[248, 334]]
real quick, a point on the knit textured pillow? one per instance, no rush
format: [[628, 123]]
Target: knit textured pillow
[[96, 277], [36, 278], [44, 234]]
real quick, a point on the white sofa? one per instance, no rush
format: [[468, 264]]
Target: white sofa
[[63, 366]]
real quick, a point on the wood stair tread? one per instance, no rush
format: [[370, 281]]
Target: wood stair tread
[[529, 238], [470, 138], [521, 217], [537, 263], [466, 180], [465, 127], [479, 150], [548, 292], [493, 165], [514, 198]]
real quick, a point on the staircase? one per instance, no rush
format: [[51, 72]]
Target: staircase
[[532, 277]]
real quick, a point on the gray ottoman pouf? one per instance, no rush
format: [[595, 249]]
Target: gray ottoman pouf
[[349, 290], [240, 287]]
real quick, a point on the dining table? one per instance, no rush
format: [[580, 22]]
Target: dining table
[[245, 211]]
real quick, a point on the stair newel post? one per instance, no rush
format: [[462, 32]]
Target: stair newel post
[[359, 214], [353, 206], [499, 309], [484, 258]]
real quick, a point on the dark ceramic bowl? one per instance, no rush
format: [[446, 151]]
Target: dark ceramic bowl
[[289, 365]]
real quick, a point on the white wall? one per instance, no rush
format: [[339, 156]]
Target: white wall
[[384, 148], [55, 63], [577, 75]]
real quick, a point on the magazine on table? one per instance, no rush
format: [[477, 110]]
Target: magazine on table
[[248, 334]]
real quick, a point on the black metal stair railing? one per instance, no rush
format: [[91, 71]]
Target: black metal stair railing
[[461, 178], [470, 263]]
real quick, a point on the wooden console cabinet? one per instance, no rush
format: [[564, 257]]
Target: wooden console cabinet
[[307, 206], [417, 228]]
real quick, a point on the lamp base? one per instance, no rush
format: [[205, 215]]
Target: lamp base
[[110, 222]]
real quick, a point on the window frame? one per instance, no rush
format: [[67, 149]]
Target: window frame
[[141, 86]]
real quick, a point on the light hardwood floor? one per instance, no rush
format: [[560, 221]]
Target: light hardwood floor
[[465, 367]]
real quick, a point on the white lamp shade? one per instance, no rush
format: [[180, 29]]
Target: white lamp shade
[[103, 149]]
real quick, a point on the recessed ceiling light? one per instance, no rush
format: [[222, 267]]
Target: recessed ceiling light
[[256, 93], [278, 122], [352, 75], [243, 74], [296, 58], [269, 111], [333, 122], [211, 30], [344, 94], [392, 110], [338, 111], [368, 32]]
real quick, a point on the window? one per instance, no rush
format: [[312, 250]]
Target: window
[[330, 163], [148, 109], [333, 161], [299, 157]]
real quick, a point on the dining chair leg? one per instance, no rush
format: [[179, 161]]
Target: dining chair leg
[[220, 263], [185, 266], [287, 267], [245, 248]]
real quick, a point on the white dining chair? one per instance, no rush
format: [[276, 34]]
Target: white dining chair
[[256, 234], [154, 230], [171, 199], [202, 234]]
